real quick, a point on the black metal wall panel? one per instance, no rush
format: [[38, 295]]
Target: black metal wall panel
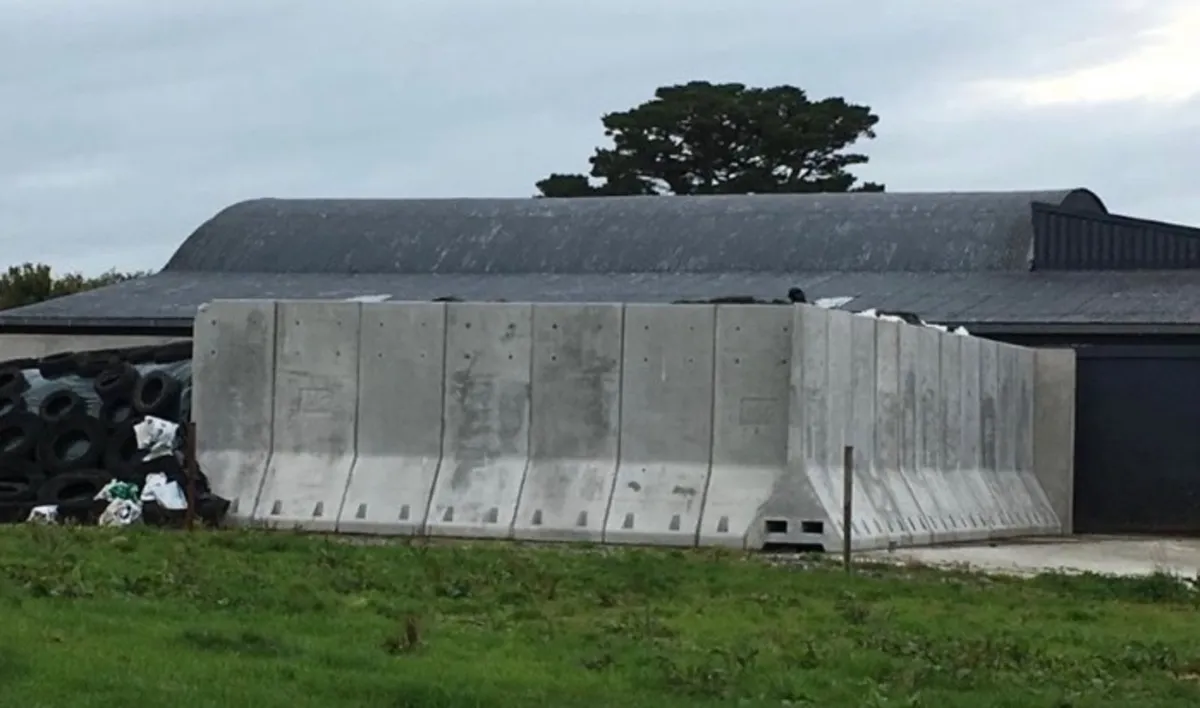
[[1069, 240], [1137, 447]]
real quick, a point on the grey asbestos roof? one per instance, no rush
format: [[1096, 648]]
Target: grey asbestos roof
[[967, 231], [955, 258], [1076, 298]]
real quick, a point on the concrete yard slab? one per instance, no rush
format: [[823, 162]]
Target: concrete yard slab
[[1107, 555]]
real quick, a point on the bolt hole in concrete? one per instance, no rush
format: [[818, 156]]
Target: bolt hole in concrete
[[71, 447], [467, 325], [553, 326]]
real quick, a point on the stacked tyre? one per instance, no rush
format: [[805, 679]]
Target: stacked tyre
[[66, 448]]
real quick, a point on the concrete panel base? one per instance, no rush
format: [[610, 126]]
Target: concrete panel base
[[485, 445], [316, 411], [233, 389], [666, 425], [575, 422], [399, 437]]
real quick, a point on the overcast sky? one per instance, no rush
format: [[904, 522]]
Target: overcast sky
[[124, 124]]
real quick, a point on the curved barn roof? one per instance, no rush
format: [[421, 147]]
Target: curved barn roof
[[958, 231]]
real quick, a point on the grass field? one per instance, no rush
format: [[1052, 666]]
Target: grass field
[[144, 618]]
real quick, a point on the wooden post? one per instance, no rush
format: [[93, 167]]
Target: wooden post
[[189, 469], [847, 502]]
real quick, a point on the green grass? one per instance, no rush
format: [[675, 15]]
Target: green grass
[[148, 618]]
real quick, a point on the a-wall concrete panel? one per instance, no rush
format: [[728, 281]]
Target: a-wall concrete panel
[[666, 425], [970, 430], [485, 443], [950, 499], [1054, 430], [233, 374], [962, 479], [1044, 518], [316, 412], [905, 527], [872, 504], [399, 435], [751, 500], [574, 434], [917, 367]]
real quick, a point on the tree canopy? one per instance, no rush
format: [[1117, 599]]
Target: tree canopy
[[31, 283], [705, 138]]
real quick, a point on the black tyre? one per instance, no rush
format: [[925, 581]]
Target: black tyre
[[157, 394], [121, 454], [12, 380], [15, 512], [71, 444], [60, 404], [116, 381], [58, 365], [19, 482], [117, 412], [12, 403], [90, 364], [138, 355], [25, 363], [73, 490], [173, 352], [21, 472], [19, 433]]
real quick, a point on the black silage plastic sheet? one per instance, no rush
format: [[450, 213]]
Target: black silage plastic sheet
[[39, 387]]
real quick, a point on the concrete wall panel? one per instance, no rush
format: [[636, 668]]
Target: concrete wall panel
[[904, 526], [399, 437], [970, 429], [666, 425], [485, 443], [1054, 430], [316, 411], [751, 502], [233, 379], [872, 503], [574, 434]]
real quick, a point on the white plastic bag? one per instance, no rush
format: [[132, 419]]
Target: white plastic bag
[[167, 494], [156, 436], [121, 512]]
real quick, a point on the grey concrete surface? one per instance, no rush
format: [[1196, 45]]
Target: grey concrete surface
[[750, 413], [401, 357], [21, 346], [233, 397], [316, 413], [1054, 429], [666, 425], [485, 445], [1129, 556], [652, 424], [575, 427]]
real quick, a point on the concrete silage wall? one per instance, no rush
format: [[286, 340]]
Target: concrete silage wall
[[654, 424]]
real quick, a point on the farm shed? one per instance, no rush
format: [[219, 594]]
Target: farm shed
[[1044, 268]]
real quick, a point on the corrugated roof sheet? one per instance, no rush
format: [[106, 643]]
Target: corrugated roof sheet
[[963, 231], [171, 299]]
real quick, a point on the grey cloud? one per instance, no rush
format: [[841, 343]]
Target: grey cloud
[[139, 119]]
